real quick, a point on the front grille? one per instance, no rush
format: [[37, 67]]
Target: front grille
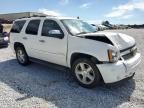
[[132, 53]]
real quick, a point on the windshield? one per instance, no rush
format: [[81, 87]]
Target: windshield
[[76, 27]]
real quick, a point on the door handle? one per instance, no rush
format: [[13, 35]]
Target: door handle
[[42, 41], [25, 38]]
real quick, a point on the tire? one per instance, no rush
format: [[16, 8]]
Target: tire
[[86, 73], [22, 56]]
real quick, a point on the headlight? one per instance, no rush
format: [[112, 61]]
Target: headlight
[[113, 56], [6, 38]]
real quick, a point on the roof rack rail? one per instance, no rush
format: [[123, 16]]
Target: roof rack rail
[[37, 16], [43, 15]]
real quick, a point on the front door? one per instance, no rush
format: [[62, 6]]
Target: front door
[[51, 47]]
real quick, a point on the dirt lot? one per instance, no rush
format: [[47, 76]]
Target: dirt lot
[[41, 86]]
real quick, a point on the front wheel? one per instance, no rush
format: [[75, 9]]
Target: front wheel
[[86, 73], [22, 56]]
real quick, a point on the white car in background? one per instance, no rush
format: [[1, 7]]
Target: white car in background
[[92, 56]]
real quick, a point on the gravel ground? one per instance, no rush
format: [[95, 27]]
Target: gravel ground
[[40, 86]]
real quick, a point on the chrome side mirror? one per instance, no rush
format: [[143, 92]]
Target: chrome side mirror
[[56, 34]]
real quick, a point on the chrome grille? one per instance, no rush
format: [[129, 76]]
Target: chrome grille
[[132, 52]]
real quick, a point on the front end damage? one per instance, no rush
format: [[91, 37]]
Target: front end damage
[[128, 56]]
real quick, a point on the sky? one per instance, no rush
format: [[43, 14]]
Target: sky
[[92, 11]]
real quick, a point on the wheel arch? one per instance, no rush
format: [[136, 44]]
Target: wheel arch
[[18, 44], [77, 55]]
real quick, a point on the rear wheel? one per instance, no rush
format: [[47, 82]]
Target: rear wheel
[[22, 56], [86, 73]]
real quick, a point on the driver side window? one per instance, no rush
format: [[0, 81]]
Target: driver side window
[[49, 25]]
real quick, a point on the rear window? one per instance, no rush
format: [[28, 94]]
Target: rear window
[[32, 27], [17, 26]]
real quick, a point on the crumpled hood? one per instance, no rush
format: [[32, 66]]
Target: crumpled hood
[[121, 41]]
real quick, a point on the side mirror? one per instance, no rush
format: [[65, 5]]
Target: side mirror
[[56, 34], [52, 32]]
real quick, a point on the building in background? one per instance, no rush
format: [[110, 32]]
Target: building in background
[[7, 19], [13, 16]]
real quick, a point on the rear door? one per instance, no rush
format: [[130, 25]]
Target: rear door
[[30, 36]]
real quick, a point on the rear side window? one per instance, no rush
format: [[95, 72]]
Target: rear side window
[[17, 26], [32, 27]]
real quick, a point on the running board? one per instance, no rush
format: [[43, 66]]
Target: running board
[[50, 65]]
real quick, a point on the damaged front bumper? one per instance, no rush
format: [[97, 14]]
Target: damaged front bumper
[[113, 72]]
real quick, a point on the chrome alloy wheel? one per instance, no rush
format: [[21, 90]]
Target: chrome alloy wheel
[[84, 73], [21, 56]]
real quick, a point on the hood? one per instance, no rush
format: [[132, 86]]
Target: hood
[[121, 41]]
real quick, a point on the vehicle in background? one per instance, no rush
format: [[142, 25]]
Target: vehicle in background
[[100, 27], [4, 37]]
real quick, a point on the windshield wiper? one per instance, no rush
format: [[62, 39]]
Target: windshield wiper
[[85, 33], [95, 31], [81, 33]]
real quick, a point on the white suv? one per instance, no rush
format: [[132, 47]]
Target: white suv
[[92, 56]]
